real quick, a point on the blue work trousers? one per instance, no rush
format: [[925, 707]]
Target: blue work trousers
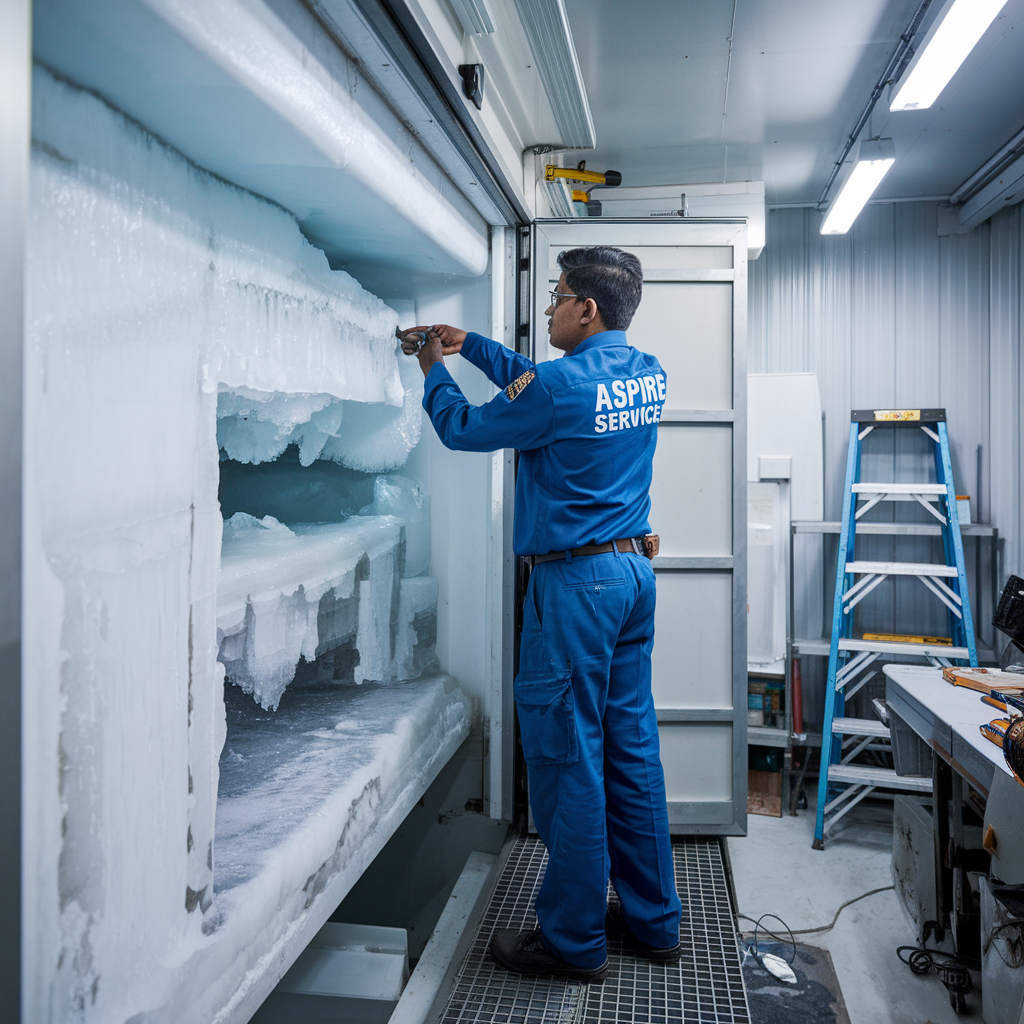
[[590, 740]]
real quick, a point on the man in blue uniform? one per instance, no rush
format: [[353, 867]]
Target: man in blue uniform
[[586, 428]]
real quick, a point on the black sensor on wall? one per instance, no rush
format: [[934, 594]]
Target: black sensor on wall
[[473, 83]]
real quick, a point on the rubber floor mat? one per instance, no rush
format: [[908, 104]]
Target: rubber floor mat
[[815, 998]]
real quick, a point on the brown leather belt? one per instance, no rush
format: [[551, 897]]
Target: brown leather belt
[[645, 546]]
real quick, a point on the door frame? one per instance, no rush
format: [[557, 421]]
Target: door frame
[[690, 817]]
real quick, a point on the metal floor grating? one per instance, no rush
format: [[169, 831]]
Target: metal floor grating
[[705, 987]]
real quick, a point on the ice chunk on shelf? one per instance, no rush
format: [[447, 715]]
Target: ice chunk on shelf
[[377, 438], [417, 628], [257, 426], [324, 602], [242, 524], [405, 498], [370, 436], [270, 590]]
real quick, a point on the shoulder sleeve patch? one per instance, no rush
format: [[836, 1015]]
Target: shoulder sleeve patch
[[519, 384]]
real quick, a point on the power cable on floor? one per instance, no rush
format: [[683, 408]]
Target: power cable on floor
[[954, 972], [811, 931]]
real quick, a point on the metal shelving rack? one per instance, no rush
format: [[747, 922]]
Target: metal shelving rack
[[820, 646]]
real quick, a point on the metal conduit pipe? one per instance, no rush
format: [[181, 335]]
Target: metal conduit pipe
[[893, 69]]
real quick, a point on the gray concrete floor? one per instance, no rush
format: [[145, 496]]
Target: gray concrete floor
[[776, 871]]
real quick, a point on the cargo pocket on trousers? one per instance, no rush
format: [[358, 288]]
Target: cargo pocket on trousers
[[547, 717]]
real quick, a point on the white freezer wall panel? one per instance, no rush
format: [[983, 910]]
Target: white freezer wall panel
[[697, 790], [893, 315], [692, 663], [691, 492]]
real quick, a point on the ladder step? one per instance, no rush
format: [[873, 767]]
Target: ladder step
[[891, 647], [899, 488], [860, 727], [902, 568], [862, 775]]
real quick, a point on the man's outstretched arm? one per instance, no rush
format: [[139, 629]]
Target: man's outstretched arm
[[500, 364], [522, 415]]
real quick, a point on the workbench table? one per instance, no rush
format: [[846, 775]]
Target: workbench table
[[948, 718]]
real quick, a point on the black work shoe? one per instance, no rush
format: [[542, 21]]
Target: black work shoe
[[615, 923], [525, 953]]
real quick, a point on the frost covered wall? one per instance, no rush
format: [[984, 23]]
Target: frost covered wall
[[151, 285]]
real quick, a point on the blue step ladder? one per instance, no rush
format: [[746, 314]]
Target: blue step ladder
[[841, 783]]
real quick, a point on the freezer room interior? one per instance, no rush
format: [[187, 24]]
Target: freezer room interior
[[265, 635]]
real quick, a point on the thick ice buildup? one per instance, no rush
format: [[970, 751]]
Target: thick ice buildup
[[271, 584], [327, 595], [417, 628], [405, 498], [241, 524], [377, 438], [150, 284], [257, 426]]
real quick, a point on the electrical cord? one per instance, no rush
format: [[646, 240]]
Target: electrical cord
[[810, 931], [757, 925], [954, 973]]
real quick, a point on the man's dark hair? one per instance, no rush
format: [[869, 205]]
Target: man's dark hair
[[611, 277]]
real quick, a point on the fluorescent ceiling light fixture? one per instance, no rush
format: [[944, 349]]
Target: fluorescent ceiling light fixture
[[874, 158], [547, 29], [954, 33]]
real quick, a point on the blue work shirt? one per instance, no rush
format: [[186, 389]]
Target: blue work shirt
[[586, 426]]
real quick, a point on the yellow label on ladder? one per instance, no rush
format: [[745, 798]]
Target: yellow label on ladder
[[900, 638], [897, 415]]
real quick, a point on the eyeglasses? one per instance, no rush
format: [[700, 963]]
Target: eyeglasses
[[555, 296]]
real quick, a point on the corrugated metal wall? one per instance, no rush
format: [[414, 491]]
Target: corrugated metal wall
[[892, 315]]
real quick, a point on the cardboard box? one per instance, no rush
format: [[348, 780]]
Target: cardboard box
[[764, 793]]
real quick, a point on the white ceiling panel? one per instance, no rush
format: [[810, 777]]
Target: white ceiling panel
[[672, 102]]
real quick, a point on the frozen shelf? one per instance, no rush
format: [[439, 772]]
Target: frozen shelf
[[891, 529], [308, 796]]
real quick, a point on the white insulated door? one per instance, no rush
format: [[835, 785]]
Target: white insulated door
[[693, 319]]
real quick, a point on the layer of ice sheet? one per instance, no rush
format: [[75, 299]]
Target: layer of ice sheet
[[281, 771], [417, 628], [257, 426], [271, 582], [405, 498], [328, 595], [309, 796]]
